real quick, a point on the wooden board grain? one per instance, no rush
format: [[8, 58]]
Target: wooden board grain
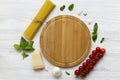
[[65, 41]]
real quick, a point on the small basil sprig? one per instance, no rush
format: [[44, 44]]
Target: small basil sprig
[[71, 6], [62, 7], [94, 33], [24, 55], [24, 46]]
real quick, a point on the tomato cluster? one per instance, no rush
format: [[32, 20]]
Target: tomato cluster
[[89, 64]]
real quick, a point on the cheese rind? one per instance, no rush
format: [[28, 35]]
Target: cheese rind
[[37, 62]]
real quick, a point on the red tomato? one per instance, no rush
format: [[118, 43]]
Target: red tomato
[[85, 64], [83, 74], [100, 55], [97, 58], [77, 72], [94, 52], [98, 49], [91, 56], [81, 68], [103, 50], [88, 61], [91, 66]]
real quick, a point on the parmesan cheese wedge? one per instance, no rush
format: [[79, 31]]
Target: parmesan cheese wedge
[[37, 62]]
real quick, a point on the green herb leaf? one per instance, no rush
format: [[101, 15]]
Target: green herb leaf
[[17, 47], [24, 55], [29, 48], [85, 14], [23, 43], [94, 37], [30, 44], [67, 73], [95, 28], [62, 7], [94, 33], [71, 6], [102, 40]]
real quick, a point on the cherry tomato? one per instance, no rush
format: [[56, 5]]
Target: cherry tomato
[[100, 55], [83, 74], [94, 62], [91, 66], [88, 61], [77, 72], [94, 52], [103, 50], [85, 64], [87, 70], [98, 49], [91, 56], [88, 67], [97, 58], [81, 68]]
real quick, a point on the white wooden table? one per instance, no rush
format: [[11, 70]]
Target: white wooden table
[[15, 16]]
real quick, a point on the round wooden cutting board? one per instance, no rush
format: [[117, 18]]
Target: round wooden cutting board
[[65, 41]]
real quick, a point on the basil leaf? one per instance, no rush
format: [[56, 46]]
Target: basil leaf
[[94, 37], [71, 6], [17, 47], [29, 48], [95, 28], [23, 43], [24, 55], [94, 33], [85, 14], [102, 40], [62, 7], [67, 73], [30, 44]]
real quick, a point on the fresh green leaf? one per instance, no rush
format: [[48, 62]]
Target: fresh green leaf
[[17, 47], [62, 7], [24, 55], [94, 37], [30, 44], [95, 28], [94, 33], [29, 48], [67, 73], [102, 40], [85, 14], [71, 6], [24, 46], [23, 43]]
